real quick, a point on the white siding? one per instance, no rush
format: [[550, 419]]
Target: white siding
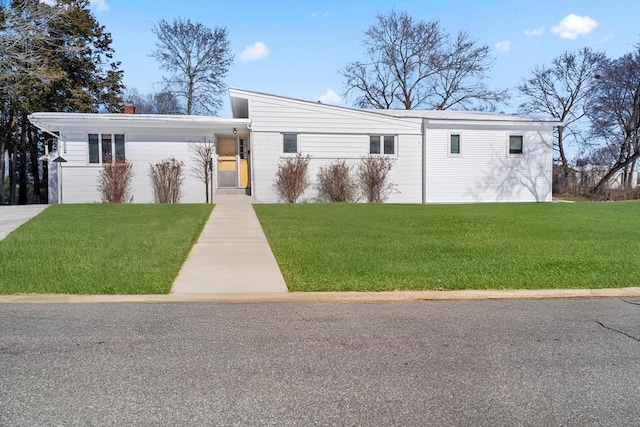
[[485, 172], [142, 149], [327, 134]]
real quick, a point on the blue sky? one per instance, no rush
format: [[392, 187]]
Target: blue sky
[[296, 48]]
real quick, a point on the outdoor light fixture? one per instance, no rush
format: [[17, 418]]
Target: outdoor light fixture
[[235, 131]]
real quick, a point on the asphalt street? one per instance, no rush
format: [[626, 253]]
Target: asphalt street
[[492, 363]]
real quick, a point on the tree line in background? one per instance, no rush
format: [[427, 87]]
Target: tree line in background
[[58, 58]]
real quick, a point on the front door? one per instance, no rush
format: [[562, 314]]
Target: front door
[[227, 163]]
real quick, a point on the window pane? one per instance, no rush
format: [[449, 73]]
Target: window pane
[[455, 144], [289, 143], [389, 144], [515, 144], [107, 155], [374, 145], [94, 153], [119, 143]]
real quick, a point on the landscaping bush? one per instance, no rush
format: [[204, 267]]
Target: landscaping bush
[[167, 177], [114, 181], [373, 177], [335, 183], [292, 178]]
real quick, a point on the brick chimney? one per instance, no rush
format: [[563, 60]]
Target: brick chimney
[[129, 109]]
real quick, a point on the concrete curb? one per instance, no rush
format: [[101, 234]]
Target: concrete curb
[[343, 297]]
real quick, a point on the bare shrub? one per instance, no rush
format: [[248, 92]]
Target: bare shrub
[[335, 183], [292, 178], [114, 181], [202, 153], [373, 177], [166, 179]]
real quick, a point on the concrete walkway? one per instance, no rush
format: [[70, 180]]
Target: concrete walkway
[[12, 217], [232, 254]]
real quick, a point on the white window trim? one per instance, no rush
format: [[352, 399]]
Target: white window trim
[[282, 153], [113, 146], [449, 153], [524, 148], [382, 135]]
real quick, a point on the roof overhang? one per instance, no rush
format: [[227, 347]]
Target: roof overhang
[[54, 122]]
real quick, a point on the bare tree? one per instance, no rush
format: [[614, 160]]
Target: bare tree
[[198, 59], [157, 103], [202, 154], [417, 65], [615, 114], [562, 90]]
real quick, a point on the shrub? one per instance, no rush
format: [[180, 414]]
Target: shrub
[[114, 181], [335, 183], [292, 178], [166, 179], [373, 180]]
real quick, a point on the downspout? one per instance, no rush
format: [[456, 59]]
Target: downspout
[[424, 161], [252, 192]]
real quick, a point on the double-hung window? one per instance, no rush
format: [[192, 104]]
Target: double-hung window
[[106, 147], [382, 144]]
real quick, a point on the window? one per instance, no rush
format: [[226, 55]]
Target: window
[[290, 143], [454, 144], [382, 144], [105, 147], [516, 144]]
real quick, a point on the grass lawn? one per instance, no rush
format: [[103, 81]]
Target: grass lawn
[[367, 247], [100, 249]]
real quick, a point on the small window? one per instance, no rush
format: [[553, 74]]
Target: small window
[[118, 143], [94, 148], [374, 145], [290, 143], [454, 144], [107, 152], [382, 144], [516, 145]]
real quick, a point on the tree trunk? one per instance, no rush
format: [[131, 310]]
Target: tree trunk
[[618, 166], [34, 164], [23, 180], [563, 157], [13, 157], [2, 167]]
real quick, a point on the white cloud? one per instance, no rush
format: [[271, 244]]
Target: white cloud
[[49, 2], [330, 97], [100, 5], [503, 46], [572, 26], [254, 52], [535, 32], [319, 15]]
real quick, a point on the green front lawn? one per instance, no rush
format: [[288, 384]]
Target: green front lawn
[[366, 247], [100, 249]]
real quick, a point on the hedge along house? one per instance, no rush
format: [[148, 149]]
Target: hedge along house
[[439, 156]]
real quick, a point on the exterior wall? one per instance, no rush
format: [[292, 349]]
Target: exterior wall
[[484, 172], [328, 134], [142, 148]]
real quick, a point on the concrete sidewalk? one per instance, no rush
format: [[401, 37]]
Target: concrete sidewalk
[[232, 254], [12, 217]]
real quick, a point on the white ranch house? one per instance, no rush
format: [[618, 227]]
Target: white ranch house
[[439, 156]]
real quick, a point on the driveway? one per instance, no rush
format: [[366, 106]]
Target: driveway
[[12, 217]]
